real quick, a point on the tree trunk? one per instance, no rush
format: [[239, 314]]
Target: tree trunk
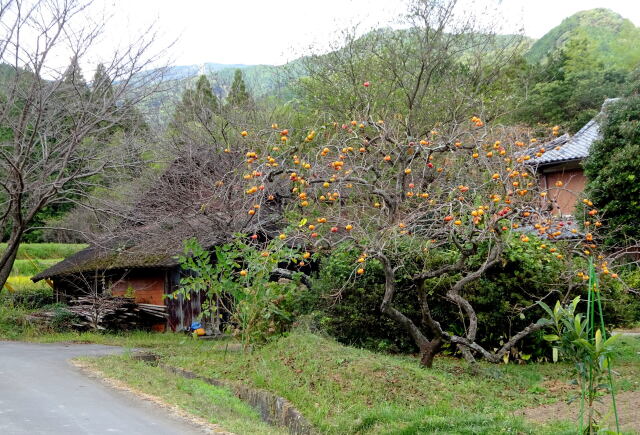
[[8, 258], [429, 352]]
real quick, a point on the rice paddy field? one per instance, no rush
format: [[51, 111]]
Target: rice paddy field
[[32, 259]]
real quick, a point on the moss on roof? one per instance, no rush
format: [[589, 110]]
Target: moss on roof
[[101, 259]]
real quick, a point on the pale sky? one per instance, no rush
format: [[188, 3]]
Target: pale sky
[[276, 31]]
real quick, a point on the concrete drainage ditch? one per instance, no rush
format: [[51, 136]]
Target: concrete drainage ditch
[[273, 409]]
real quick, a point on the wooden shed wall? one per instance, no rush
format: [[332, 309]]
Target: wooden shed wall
[[182, 311], [148, 287], [564, 198]]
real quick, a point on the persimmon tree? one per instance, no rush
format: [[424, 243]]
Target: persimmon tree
[[466, 190]]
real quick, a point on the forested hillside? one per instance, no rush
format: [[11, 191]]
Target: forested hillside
[[562, 78], [615, 39]]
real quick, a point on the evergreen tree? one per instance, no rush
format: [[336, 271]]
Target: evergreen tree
[[238, 95], [613, 170], [197, 105], [73, 74], [102, 85], [73, 83]]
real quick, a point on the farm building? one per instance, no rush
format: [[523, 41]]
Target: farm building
[[147, 270], [139, 258], [560, 168]]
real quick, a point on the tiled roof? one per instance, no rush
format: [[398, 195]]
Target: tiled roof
[[571, 148], [567, 229], [575, 147]]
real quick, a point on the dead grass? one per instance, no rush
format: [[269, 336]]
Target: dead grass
[[627, 405]]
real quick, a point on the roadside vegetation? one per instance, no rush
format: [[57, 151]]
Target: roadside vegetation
[[341, 389], [213, 404], [20, 297]]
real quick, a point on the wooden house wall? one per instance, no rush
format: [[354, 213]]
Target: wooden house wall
[[148, 287], [182, 311], [563, 198]]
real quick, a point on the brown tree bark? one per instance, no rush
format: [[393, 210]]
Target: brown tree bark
[[429, 352]]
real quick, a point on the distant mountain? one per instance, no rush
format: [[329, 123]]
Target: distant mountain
[[608, 30], [186, 71]]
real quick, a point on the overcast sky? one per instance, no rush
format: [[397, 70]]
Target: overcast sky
[[276, 31]]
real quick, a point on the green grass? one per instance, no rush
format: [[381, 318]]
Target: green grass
[[214, 404], [344, 390], [33, 258], [45, 251], [32, 267]]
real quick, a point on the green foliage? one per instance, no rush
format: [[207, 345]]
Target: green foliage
[[238, 95], [350, 308], [29, 298], [13, 322], [615, 38], [505, 297], [32, 267], [577, 65], [20, 322], [613, 170], [199, 105], [62, 319], [200, 275], [589, 351], [258, 307], [570, 89]]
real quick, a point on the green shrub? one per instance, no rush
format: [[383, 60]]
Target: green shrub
[[62, 319], [349, 309], [621, 307], [13, 322], [613, 171], [28, 298], [239, 287]]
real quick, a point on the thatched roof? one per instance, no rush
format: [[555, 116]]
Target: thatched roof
[[154, 247]]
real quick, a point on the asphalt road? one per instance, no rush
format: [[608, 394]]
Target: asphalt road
[[41, 393]]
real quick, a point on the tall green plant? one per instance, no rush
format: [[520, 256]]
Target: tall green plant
[[613, 171], [582, 339], [237, 279]]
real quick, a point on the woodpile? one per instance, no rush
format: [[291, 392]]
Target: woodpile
[[112, 313]]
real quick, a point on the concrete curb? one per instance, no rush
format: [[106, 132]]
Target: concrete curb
[[273, 409]]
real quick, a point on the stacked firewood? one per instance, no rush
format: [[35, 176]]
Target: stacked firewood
[[107, 312]]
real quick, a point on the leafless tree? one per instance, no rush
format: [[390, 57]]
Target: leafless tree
[[443, 62], [56, 143]]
